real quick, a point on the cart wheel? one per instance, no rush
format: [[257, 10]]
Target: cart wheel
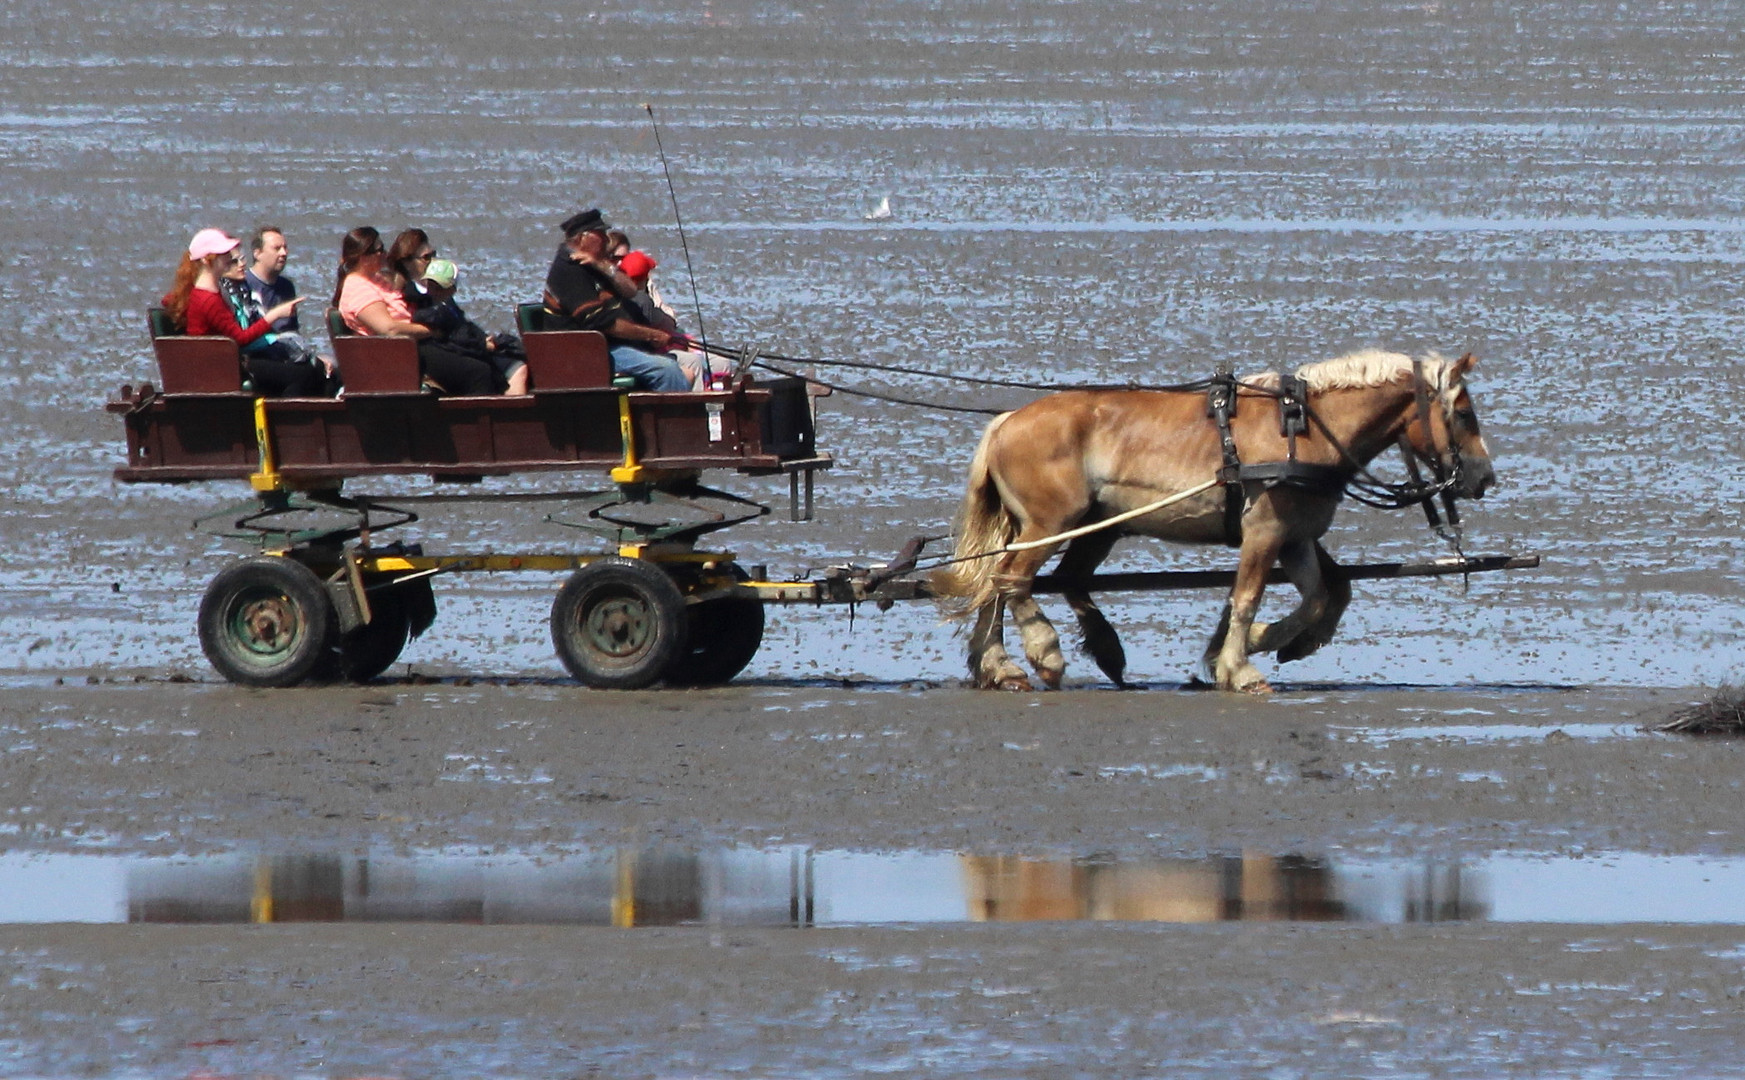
[[266, 621], [373, 647], [618, 623], [724, 636]]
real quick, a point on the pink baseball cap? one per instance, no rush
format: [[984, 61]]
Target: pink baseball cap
[[211, 242]]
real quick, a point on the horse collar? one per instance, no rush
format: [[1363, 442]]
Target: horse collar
[[1292, 399]]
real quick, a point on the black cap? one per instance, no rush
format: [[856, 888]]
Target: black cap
[[586, 221]]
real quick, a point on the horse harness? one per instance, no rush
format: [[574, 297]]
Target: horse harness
[[1295, 417], [1293, 420]]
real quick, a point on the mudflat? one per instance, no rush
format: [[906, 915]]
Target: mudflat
[[399, 770], [171, 767]]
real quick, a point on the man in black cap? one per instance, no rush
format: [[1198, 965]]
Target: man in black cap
[[584, 291]]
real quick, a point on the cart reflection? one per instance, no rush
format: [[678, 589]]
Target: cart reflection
[[790, 886]]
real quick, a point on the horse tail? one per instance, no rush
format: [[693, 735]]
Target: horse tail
[[983, 525]]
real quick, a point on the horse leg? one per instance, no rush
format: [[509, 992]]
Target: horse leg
[[1338, 596], [1232, 669], [1209, 658], [1041, 642], [1081, 560], [990, 666], [1304, 569]]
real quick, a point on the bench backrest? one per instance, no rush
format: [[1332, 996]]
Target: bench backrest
[[567, 360], [159, 322], [198, 365], [373, 365], [193, 365]]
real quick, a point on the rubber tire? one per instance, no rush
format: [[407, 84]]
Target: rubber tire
[[372, 648], [619, 623], [267, 621], [724, 635]]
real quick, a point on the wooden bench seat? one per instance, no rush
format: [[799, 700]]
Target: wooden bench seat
[[562, 359], [373, 365], [194, 365]]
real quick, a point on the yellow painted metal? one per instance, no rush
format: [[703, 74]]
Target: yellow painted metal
[[463, 564], [631, 472], [260, 905], [624, 890], [266, 478], [782, 592]]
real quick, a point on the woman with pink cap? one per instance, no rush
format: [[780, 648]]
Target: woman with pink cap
[[195, 305]]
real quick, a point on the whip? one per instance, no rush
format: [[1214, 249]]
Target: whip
[[702, 334]]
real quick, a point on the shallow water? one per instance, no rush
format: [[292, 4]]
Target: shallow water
[[803, 887]]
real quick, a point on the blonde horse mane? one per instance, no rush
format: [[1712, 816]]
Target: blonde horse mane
[[1363, 369], [1374, 367]]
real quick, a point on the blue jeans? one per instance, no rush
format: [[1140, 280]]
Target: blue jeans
[[651, 371]]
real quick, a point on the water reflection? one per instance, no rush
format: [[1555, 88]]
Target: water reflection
[[663, 886], [795, 886]]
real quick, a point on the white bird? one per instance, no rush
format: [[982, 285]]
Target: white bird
[[881, 211]]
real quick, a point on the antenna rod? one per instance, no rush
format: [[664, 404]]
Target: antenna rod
[[702, 334]]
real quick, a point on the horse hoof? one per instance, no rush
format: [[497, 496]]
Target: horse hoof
[[1051, 679], [1018, 684], [1259, 688]]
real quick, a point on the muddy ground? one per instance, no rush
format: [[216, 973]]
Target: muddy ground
[[550, 770], [173, 768]]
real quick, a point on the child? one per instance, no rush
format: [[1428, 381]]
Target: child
[[706, 372], [449, 324]]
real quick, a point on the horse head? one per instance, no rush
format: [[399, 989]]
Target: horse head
[[1443, 430]]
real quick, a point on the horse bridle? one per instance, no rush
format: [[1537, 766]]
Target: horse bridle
[[1450, 465]]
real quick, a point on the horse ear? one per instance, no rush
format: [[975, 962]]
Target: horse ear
[[1465, 364]]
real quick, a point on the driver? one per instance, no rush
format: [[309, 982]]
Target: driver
[[585, 291]]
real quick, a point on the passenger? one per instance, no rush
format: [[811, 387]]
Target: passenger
[[450, 325], [196, 306], [583, 291], [287, 347], [617, 244], [705, 372], [408, 255], [266, 275], [370, 305]]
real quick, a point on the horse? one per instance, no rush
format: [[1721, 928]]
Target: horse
[[1157, 460]]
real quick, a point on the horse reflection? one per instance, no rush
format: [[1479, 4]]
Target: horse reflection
[[1249, 887]]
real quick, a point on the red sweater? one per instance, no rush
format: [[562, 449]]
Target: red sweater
[[209, 314]]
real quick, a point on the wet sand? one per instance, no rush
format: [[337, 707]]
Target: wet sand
[[1032, 1001], [552, 769], [199, 768]]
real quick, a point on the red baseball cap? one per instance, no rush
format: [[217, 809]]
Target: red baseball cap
[[636, 264]]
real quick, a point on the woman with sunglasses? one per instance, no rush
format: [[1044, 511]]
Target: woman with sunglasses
[[370, 304], [195, 304], [408, 257]]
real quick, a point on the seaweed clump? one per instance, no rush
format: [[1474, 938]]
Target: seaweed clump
[[1722, 713]]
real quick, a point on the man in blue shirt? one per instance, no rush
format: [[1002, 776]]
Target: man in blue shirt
[[265, 276]]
